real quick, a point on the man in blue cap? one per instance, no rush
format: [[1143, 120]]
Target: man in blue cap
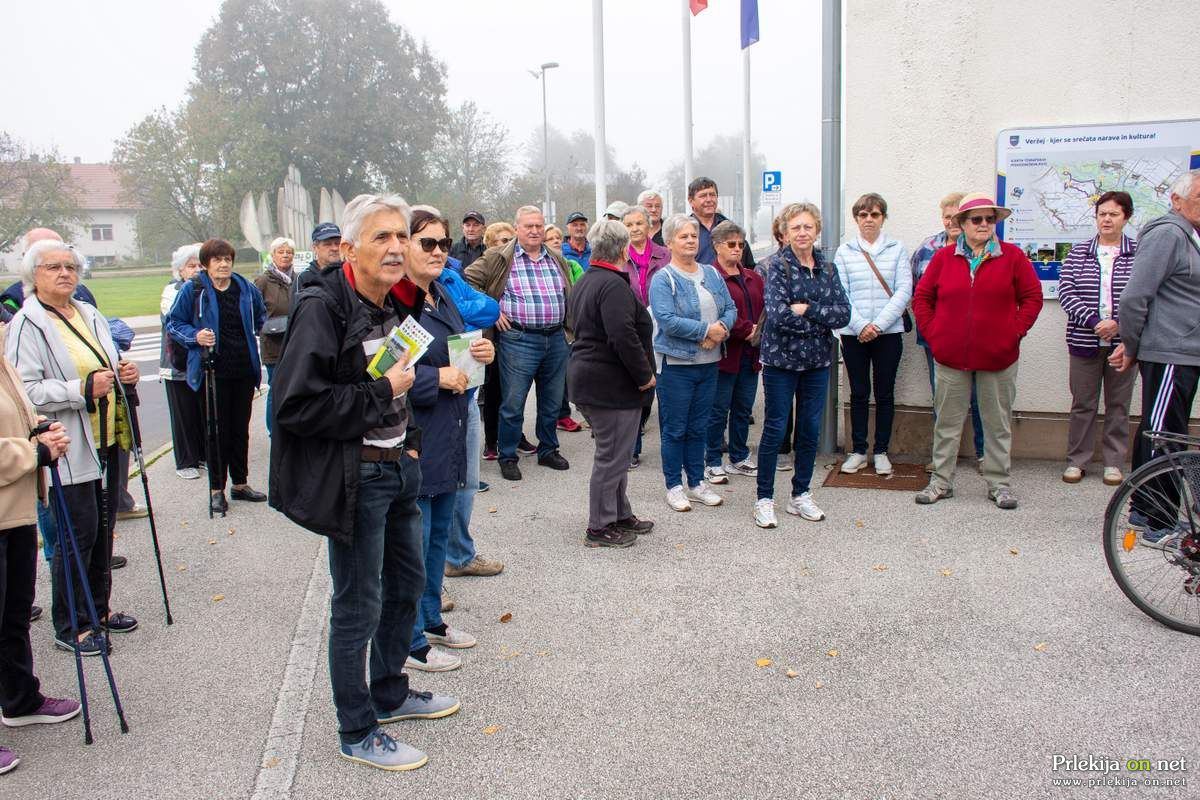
[[326, 241]]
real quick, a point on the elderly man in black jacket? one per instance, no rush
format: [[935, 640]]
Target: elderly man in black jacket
[[344, 465]]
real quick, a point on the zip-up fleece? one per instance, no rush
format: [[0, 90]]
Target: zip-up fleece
[[1160, 309], [801, 342], [977, 323]]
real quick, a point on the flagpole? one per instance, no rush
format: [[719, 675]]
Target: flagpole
[[831, 187], [598, 107], [689, 165], [747, 216]]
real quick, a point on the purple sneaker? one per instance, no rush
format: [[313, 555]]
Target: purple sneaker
[[51, 710], [8, 760]]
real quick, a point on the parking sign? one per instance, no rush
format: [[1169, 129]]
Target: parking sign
[[772, 181]]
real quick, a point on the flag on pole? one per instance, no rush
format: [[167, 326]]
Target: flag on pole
[[698, 6], [749, 21]]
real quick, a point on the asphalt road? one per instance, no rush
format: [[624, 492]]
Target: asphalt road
[[951, 651]]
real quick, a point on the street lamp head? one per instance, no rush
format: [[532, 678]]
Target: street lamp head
[[549, 65]]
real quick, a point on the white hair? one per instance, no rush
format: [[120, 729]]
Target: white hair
[[674, 223], [1185, 183], [638, 209], [363, 206], [646, 195], [609, 239], [523, 210], [33, 256], [181, 256], [279, 242]]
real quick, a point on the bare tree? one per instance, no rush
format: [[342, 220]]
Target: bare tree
[[36, 191]]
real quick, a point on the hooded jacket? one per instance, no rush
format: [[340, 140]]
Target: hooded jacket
[[324, 401], [1160, 307]]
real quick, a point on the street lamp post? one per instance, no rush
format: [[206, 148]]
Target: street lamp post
[[541, 73]]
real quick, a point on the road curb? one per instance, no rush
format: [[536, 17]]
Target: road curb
[[150, 459]]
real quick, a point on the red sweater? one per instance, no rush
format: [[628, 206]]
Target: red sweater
[[977, 324]]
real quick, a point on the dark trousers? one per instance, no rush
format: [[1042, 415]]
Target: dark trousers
[[235, 399], [782, 388], [1167, 394], [731, 411], [615, 430], [186, 408], [491, 402], [19, 693], [377, 579], [646, 412], [870, 365], [437, 518], [94, 535]]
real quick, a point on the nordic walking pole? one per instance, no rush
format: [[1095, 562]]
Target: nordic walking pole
[[212, 431], [136, 428]]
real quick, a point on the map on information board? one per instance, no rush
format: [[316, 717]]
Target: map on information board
[[1051, 178]]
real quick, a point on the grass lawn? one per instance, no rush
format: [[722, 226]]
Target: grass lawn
[[137, 295]]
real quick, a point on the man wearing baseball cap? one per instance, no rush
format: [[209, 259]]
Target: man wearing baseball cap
[[576, 246], [326, 241], [470, 246]]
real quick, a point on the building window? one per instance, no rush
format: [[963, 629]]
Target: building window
[[103, 261], [102, 233]]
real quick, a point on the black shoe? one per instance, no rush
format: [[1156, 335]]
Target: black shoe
[[510, 471], [218, 504], [633, 525], [526, 447], [35, 613], [635, 462], [88, 645], [484, 486], [553, 460], [118, 562], [248, 494], [120, 623], [609, 537]]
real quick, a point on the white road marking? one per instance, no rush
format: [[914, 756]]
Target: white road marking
[[277, 768]]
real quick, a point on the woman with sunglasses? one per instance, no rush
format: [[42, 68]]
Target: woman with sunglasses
[[874, 271], [440, 397], [977, 300]]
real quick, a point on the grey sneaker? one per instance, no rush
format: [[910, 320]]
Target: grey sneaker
[[381, 751], [420, 705], [932, 493], [1003, 496]]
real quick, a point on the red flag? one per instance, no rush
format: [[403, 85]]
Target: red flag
[[698, 6]]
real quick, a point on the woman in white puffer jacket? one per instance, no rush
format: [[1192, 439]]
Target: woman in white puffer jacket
[[872, 343]]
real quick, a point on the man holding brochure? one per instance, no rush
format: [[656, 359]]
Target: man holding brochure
[[344, 465]]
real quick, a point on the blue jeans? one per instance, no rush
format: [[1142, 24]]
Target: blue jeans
[[460, 549], [685, 400], [49, 530], [524, 358], [732, 408], [377, 580], [437, 517], [976, 422], [780, 386], [270, 380]]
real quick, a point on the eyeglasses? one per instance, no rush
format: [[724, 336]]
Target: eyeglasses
[[65, 267], [734, 245], [428, 243], [980, 219], [503, 240], [870, 215]]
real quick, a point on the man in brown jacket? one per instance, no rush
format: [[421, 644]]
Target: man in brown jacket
[[531, 283]]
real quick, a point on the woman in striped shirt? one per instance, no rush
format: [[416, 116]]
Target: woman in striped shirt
[[1092, 278]]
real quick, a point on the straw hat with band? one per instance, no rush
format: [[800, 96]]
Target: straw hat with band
[[978, 201]]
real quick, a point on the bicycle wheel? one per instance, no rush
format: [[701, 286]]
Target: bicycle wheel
[[1152, 542]]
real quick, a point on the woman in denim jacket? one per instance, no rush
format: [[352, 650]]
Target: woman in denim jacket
[[805, 304], [693, 314]]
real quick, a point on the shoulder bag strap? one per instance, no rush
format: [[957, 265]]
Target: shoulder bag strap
[[875, 269], [99, 356]]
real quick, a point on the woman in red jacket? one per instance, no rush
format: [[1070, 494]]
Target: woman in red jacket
[[976, 301]]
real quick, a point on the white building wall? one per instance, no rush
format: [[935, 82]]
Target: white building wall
[[124, 242], [930, 83]]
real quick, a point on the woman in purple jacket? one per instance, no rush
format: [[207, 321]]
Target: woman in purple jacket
[[645, 258], [1092, 278]]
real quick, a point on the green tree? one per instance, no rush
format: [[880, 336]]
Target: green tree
[[468, 166], [36, 191]]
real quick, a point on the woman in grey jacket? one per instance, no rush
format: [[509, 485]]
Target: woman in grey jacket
[[64, 353], [184, 404], [874, 271]]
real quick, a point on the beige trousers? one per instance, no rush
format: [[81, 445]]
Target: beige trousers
[[1086, 377], [952, 401]]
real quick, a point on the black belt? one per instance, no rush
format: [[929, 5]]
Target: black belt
[[374, 454], [553, 329]]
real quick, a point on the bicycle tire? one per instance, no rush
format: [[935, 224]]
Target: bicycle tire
[[1166, 570]]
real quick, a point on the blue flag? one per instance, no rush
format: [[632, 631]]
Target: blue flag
[[749, 22]]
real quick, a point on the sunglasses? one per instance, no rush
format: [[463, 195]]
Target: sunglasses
[[734, 245], [870, 215], [428, 243], [980, 219]]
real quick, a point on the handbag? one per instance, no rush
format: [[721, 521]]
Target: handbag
[[906, 318], [275, 326]]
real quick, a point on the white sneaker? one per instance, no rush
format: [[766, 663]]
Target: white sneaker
[[677, 500], [764, 513], [804, 507], [188, 473], [716, 474], [854, 462], [704, 494], [746, 467], [1072, 475], [784, 464], [882, 465], [1113, 476], [452, 638], [435, 661]]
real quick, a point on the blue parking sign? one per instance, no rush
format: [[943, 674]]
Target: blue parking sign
[[772, 181]]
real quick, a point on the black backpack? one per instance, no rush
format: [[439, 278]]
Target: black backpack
[[177, 354]]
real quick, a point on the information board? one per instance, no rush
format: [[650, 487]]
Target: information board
[[1051, 177]]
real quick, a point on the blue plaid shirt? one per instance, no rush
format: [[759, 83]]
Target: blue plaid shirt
[[535, 296]]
